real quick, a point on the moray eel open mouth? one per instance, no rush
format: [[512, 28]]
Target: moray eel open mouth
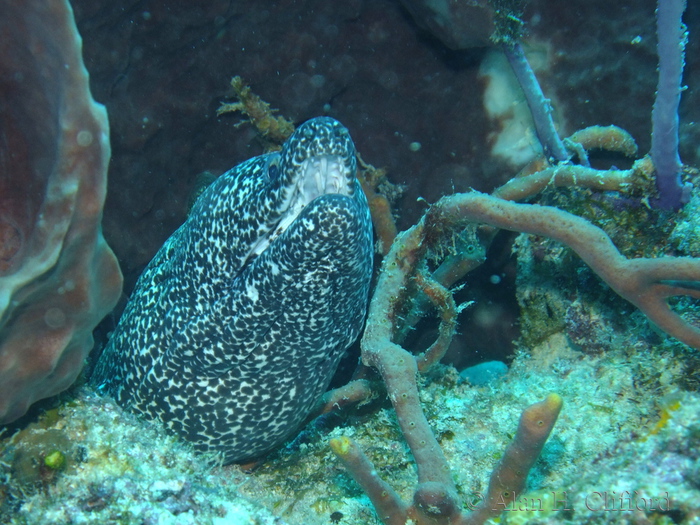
[[237, 325], [317, 175]]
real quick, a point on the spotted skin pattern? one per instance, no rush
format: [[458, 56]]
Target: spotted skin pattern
[[230, 341]]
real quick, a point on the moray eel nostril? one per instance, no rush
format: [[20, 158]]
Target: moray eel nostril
[[237, 325]]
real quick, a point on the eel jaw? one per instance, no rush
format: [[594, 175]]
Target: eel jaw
[[320, 175]]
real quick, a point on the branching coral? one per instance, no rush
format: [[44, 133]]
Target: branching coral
[[273, 129]]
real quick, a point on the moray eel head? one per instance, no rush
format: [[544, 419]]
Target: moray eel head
[[318, 159]]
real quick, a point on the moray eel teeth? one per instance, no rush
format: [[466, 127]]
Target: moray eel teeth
[[317, 176], [237, 325]]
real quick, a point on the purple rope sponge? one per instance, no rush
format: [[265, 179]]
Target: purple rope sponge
[[540, 107], [664, 137]]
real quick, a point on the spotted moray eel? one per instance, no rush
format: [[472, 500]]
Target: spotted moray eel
[[236, 327]]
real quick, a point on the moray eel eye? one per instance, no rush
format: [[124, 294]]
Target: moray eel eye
[[273, 168]]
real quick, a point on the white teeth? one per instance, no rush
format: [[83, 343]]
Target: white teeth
[[318, 178], [321, 175]]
